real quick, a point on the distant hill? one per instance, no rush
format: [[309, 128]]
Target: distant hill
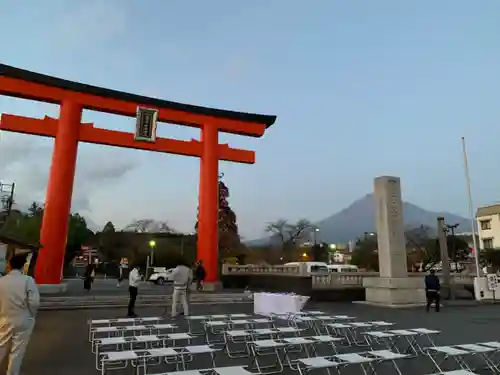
[[353, 221]]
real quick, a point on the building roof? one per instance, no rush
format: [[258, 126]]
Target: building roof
[[12, 241], [26, 75], [488, 210]]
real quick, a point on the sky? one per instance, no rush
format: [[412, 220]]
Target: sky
[[360, 88]]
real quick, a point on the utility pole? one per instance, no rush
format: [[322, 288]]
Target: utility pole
[[6, 201], [445, 263], [451, 228]]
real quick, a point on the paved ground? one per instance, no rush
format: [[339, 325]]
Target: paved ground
[[104, 287], [60, 344], [108, 287]]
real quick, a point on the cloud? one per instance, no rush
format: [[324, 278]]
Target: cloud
[[89, 23], [237, 67], [27, 162]]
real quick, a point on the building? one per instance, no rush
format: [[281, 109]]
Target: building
[[10, 246], [488, 223]]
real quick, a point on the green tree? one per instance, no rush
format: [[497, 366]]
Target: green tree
[[288, 234], [106, 242], [229, 239], [491, 258], [365, 253], [78, 235], [320, 252], [26, 227]]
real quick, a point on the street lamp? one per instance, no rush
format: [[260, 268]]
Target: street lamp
[[314, 231], [451, 228], [152, 245]]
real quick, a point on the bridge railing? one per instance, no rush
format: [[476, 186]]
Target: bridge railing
[[320, 281]]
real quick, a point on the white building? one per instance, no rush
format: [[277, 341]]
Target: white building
[[488, 223]]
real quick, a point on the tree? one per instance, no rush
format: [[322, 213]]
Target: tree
[[365, 253], [149, 226], [107, 243], [288, 234], [320, 252], [108, 228], [491, 257], [78, 235], [229, 241], [26, 227], [35, 209]]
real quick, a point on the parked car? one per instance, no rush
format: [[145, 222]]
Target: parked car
[[161, 276]]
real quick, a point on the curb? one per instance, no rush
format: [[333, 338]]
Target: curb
[[207, 296], [123, 305]]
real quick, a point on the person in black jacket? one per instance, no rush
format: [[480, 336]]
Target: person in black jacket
[[200, 274], [432, 288], [88, 277]]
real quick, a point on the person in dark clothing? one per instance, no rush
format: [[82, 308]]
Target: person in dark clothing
[[200, 274], [88, 277], [432, 288]]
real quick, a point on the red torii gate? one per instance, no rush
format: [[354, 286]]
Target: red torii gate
[[68, 130]]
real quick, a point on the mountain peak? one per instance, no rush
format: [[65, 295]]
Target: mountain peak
[[359, 217]]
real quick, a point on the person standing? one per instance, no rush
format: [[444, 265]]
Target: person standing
[[120, 274], [432, 289], [200, 276], [183, 277], [88, 277], [134, 278], [19, 302]]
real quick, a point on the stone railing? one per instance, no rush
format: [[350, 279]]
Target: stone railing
[[320, 281], [232, 269], [341, 280], [355, 279]]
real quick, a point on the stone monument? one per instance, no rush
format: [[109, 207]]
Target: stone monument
[[393, 287]]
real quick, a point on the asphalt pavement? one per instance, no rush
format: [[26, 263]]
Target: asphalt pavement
[[60, 343], [105, 287]]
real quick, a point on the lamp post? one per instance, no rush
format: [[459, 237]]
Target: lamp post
[[314, 232], [152, 245], [451, 228], [149, 263]]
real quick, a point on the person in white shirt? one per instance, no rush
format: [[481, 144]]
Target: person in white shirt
[[134, 278], [183, 277], [19, 302]]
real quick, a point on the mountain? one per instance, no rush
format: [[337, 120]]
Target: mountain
[[353, 221]]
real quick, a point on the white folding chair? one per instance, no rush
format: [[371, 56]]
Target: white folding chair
[[230, 370], [214, 331], [238, 338], [459, 353], [94, 323], [365, 360], [457, 372], [269, 347]]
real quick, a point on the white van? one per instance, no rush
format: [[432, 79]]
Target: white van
[[342, 268], [312, 267]]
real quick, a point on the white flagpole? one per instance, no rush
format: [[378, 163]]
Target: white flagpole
[[471, 209]]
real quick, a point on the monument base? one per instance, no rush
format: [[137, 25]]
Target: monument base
[[52, 288], [394, 292]]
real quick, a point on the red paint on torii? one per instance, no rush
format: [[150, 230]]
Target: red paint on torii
[[68, 131]]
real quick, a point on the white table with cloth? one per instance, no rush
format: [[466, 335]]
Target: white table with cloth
[[278, 303]]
